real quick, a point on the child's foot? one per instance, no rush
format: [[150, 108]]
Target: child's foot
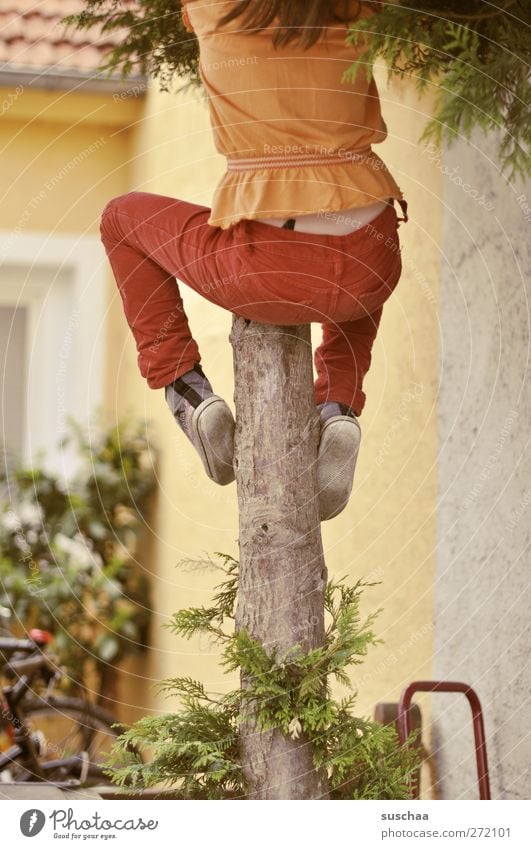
[[338, 452], [206, 420]]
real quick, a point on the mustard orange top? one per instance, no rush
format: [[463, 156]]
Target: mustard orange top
[[297, 139]]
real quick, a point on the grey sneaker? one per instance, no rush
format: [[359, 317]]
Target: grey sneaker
[[338, 451], [207, 422]]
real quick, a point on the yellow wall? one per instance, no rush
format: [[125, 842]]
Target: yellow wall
[[62, 156], [174, 156], [387, 532]]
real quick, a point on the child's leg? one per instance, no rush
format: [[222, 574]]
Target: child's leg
[[343, 359], [151, 239]]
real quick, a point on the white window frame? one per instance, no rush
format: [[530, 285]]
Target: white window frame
[[77, 388]]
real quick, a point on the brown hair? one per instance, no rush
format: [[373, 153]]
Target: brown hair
[[302, 21]]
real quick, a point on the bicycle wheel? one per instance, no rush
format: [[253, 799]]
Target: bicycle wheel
[[71, 737]]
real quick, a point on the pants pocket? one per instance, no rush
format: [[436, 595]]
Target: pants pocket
[[368, 295]]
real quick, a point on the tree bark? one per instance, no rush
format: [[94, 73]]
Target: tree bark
[[282, 569]]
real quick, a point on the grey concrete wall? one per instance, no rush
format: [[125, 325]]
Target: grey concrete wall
[[482, 594]]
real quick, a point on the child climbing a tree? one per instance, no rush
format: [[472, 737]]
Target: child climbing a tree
[[302, 226]]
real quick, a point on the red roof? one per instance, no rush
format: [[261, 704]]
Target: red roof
[[32, 37]]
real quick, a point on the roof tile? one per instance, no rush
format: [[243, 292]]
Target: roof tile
[[31, 36]]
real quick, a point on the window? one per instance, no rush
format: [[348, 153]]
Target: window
[[13, 327], [52, 313]]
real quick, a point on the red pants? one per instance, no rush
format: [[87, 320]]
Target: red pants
[[257, 271]]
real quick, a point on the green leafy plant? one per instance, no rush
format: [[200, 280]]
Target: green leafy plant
[[67, 552], [195, 750], [476, 54]]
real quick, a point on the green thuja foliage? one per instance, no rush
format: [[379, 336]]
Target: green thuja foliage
[[195, 749], [475, 54]]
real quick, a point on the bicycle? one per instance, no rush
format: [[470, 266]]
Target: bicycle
[[48, 737]]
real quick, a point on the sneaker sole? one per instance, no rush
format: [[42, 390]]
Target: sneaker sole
[[336, 463], [213, 438]]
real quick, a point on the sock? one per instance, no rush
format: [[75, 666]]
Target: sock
[[191, 389], [334, 408]]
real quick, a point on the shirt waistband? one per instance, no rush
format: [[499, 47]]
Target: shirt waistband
[[294, 160], [302, 159]]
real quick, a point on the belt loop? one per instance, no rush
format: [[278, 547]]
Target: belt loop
[[403, 205], [248, 237]]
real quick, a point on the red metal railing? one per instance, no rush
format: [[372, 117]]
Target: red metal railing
[[404, 724]]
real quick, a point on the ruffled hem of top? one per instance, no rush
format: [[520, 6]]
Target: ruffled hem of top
[[270, 193]]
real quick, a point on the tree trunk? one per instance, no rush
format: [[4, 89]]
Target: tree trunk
[[282, 569]]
